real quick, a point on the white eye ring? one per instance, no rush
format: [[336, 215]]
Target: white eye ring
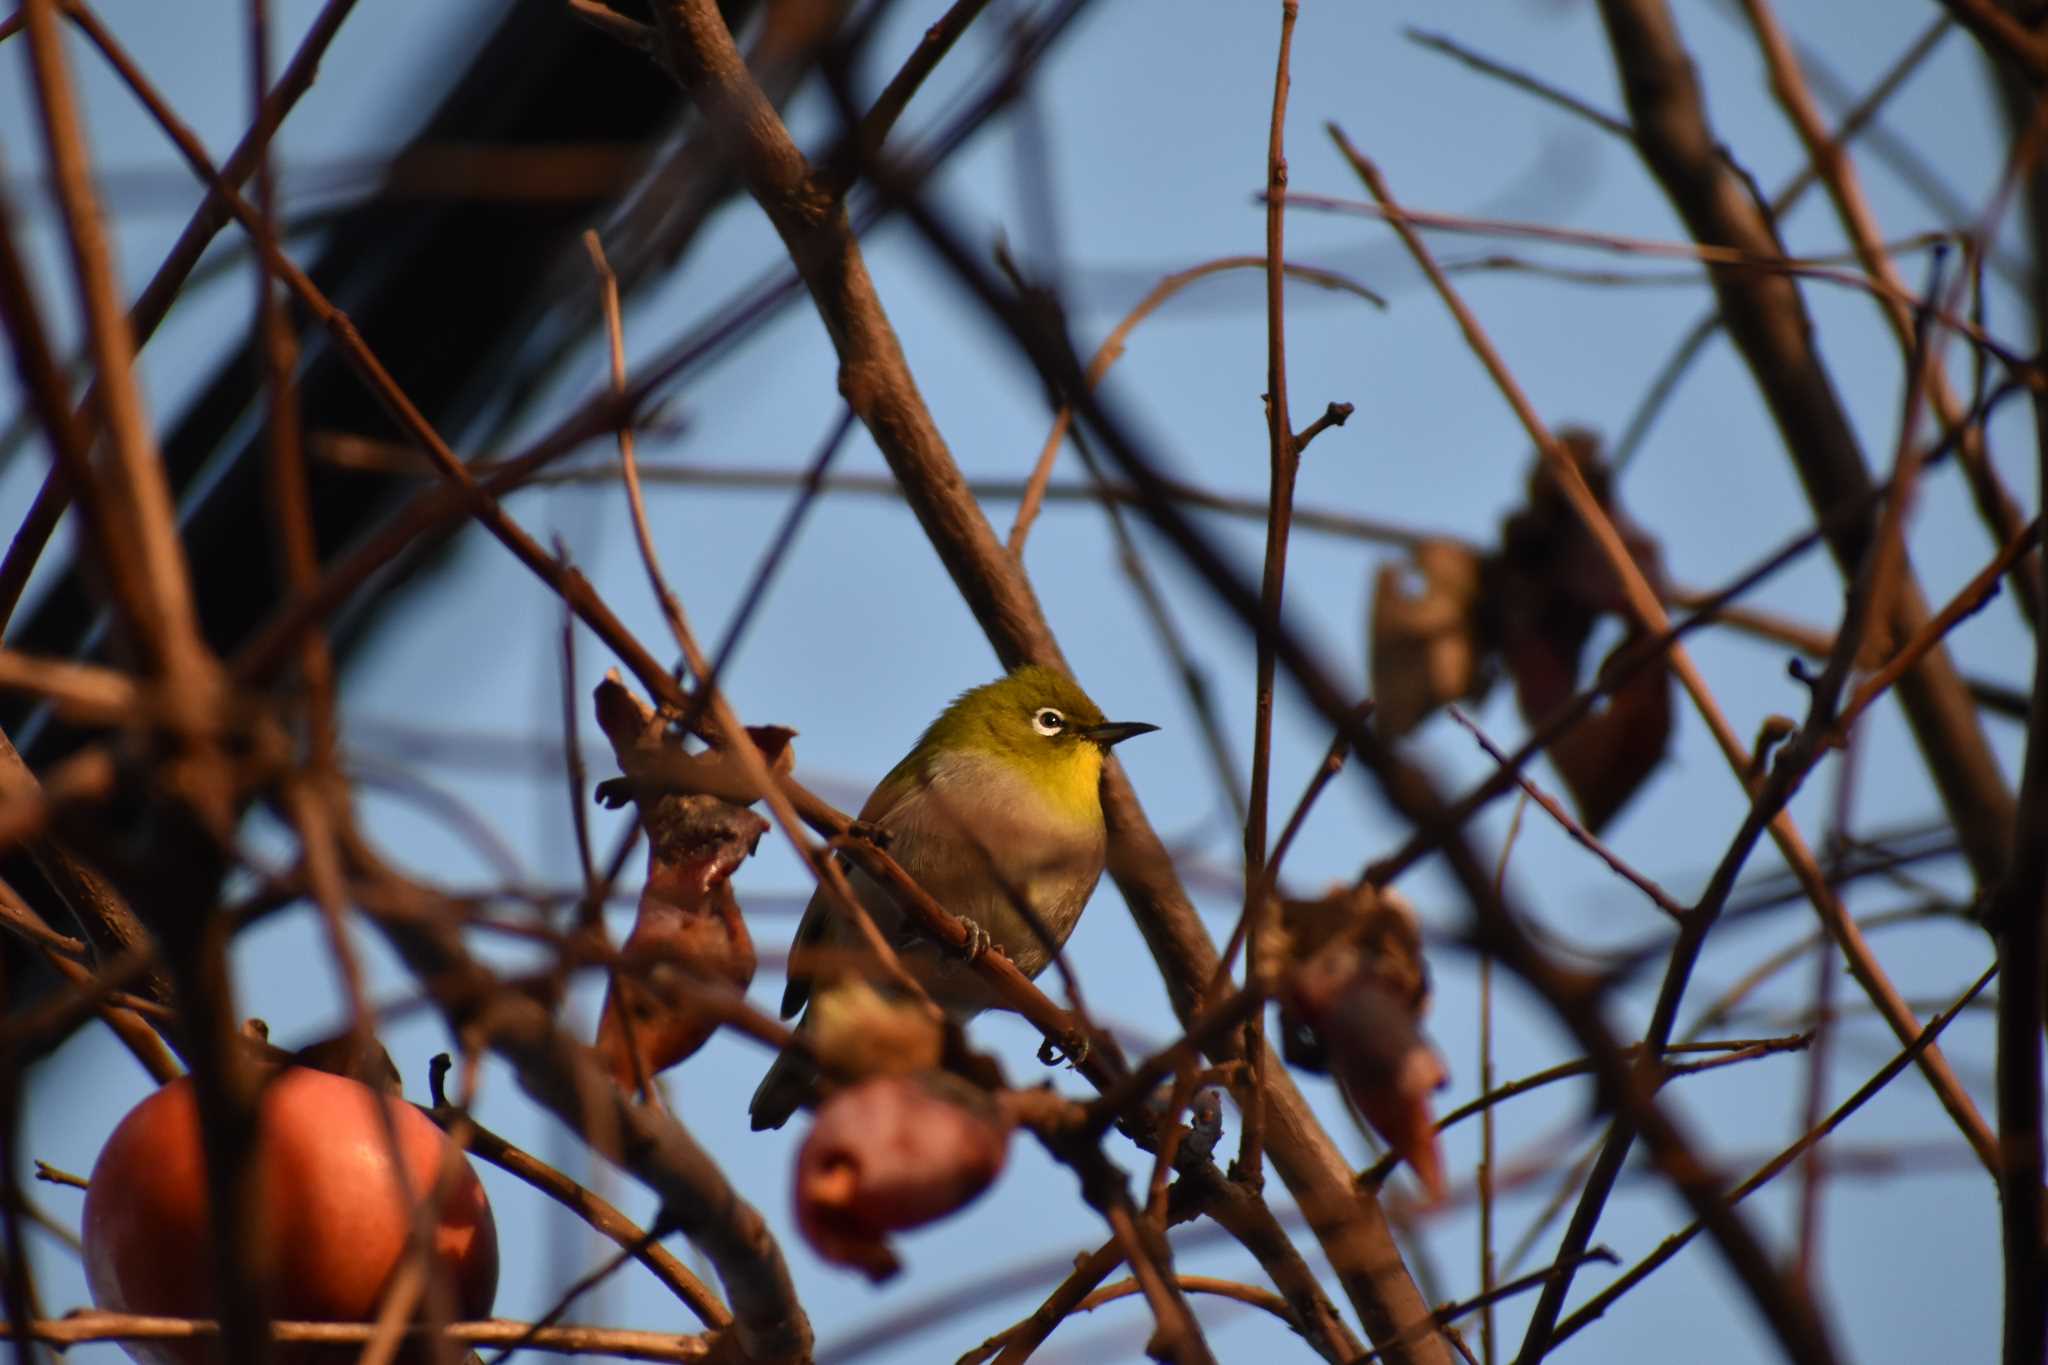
[[1047, 721]]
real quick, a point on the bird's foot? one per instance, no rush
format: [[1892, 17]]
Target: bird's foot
[[979, 942], [1073, 1049]]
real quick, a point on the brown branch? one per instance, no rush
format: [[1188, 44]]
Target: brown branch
[[480, 501], [1451, 1312], [2016, 916], [614, 25], [1497, 926], [1853, 124], [1244, 1214], [1194, 680], [173, 870], [567, 1078], [1837, 172], [1649, 613], [1015, 1344], [1778, 264], [1768, 321], [601, 1216], [1269, 878], [1967, 601], [643, 535], [569, 584], [1263, 1299], [1670, 1247], [83, 1327], [1176, 1335], [354, 452], [290, 491], [877, 383], [136, 529], [2002, 32], [1283, 465], [1037, 488], [866, 140], [160, 610], [48, 391], [1335, 415], [155, 300], [1726, 1053], [63, 955], [1720, 1053], [92, 693]]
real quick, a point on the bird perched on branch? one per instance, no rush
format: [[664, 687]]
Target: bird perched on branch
[[997, 812]]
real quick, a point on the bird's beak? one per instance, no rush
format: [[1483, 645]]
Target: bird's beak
[[1116, 731]]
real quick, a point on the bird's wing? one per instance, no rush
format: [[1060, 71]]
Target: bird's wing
[[810, 933], [815, 929]]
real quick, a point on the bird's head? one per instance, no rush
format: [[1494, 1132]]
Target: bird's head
[[1037, 722]]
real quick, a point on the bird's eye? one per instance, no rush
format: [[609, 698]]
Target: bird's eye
[[1048, 721]]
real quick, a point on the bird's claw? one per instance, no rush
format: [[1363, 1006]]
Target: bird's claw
[[867, 831], [1072, 1049], [979, 941]]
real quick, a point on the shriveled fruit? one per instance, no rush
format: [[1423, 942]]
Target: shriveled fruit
[[891, 1153]]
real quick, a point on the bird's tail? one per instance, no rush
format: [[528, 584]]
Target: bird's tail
[[791, 1084]]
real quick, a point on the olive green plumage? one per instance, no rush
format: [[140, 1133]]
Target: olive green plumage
[[998, 803]]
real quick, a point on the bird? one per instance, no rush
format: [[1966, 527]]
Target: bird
[[996, 807]]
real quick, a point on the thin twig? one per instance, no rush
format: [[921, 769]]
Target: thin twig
[[1489, 1343], [1496, 926], [568, 1340], [290, 493], [156, 298], [567, 1078], [1649, 612], [643, 535], [1269, 876], [1837, 173], [1194, 680], [1768, 318], [876, 380], [1671, 1245], [872, 132], [1967, 601], [614, 25], [1263, 1299], [2010, 355], [1284, 459], [1487, 1298], [1659, 897], [1859, 118], [591, 906], [1035, 489], [1520, 80], [161, 612]]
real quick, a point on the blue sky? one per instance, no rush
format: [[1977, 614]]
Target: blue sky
[[1155, 123]]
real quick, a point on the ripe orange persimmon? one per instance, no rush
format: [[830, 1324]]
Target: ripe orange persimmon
[[335, 1219]]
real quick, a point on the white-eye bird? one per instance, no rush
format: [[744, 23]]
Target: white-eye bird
[[999, 803]]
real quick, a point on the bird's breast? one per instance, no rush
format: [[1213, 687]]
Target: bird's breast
[[987, 845]]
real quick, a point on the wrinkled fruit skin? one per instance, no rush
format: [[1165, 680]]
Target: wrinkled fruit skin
[[335, 1221], [688, 933], [891, 1153]]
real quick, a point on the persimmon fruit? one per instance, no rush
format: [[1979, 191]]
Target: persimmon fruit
[[335, 1217]]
